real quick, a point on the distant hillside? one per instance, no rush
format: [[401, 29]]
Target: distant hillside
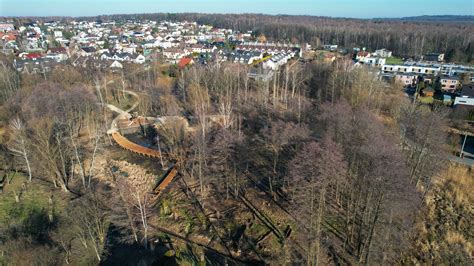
[[443, 18]]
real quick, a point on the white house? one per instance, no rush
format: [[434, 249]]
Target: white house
[[373, 61], [383, 53], [463, 101], [116, 64], [58, 34], [139, 59]]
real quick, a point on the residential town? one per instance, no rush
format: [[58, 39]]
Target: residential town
[[41, 47]]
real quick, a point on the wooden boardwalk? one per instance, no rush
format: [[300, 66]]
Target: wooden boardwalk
[[166, 181], [133, 147]]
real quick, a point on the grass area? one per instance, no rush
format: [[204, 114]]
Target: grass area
[[33, 196], [426, 100], [125, 102], [393, 60], [2, 133], [257, 230]]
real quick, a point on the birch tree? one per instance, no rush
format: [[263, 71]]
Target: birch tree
[[19, 144]]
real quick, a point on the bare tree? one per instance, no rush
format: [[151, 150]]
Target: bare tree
[[313, 170], [135, 195], [19, 144], [277, 136]]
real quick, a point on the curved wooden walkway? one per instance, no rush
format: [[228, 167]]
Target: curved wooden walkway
[[133, 147], [166, 181], [138, 149]]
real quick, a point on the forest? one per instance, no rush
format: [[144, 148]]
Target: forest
[[324, 164]]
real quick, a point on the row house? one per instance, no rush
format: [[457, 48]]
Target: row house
[[239, 56], [416, 69], [173, 54], [275, 62], [453, 69], [37, 66], [270, 48], [203, 48], [133, 58]]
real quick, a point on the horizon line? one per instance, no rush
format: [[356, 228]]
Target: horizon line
[[231, 13]]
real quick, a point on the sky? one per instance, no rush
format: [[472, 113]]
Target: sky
[[333, 8]]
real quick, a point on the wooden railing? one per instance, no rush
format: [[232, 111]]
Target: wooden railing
[[133, 147], [166, 181]]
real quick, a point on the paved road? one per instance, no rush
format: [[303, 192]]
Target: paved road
[[450, 157], [465, 161]]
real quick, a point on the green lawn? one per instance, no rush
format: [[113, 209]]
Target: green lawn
[[426, 100], [393, 61], [33, 196], [124, 103]]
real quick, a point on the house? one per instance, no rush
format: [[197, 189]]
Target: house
[[373, 61], [276, 61], [449, 83], [467, 90], [434, 57], [134, 58], [361, 55], [87, 51], [57, 53], [464, 102], [58, 34], [138, 58], [116, 64], [428, 92], [330, 47], [31, 56], [185, 61], [459, 101], [383, 53], [6, 26], [197, 48], [37, 66], [7, 37], [407, 79], [56, 57], [115, 56], [174, 54]]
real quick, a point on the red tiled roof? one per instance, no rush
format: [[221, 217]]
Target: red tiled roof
[[183, 62], [9, 36], [33, 56]]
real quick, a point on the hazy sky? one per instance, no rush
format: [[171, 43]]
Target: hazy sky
[[337, 8]]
